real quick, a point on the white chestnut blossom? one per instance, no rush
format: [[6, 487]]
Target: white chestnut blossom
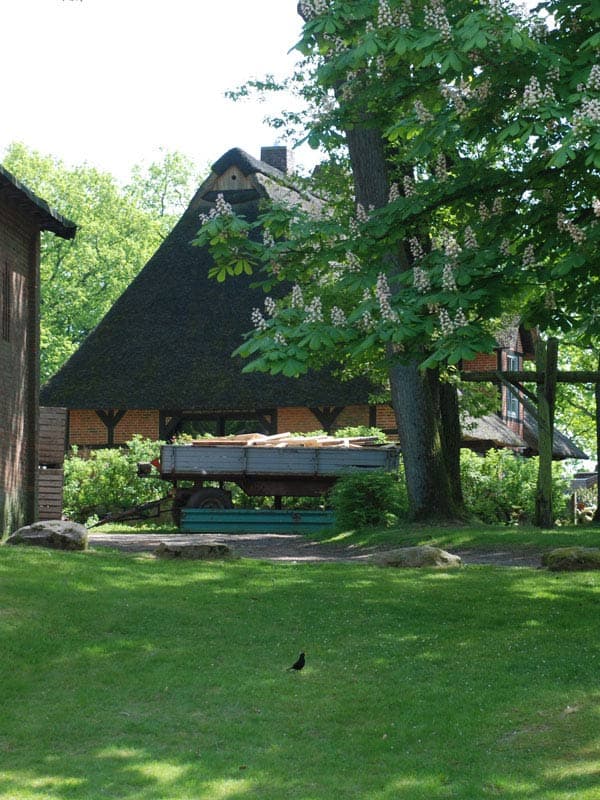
[[421, 280], [383, 295], [529, 256], [313, 8], [593, 81], [441, 171], [221, 209], [258, 320], [568, 226], [436, 17], [338, 317], [596, 206], [280, 339], [409, 186], [361, 214], [446, 323], [448, 279], [495, 10], [423, 114], [268, 239], [394, 193], [550, 300], [353, 262], [297, 297], [385, 17], [416, 249], [470, 238], [270, 306], [533, 94], [460, 319], [314, 310]]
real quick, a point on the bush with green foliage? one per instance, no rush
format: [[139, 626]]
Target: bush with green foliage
[[106, 480], [501, 486], [368, 499]]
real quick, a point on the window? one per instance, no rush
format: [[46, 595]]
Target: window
[[513, 405], [5, 302]]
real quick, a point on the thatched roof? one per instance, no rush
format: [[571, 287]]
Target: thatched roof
[[47, 218], [562, 446], [167, 341], [491, 430]]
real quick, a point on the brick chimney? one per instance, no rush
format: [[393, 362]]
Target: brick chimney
[[278, 156]]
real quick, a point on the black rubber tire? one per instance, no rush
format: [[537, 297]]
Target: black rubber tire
[[210, 498]]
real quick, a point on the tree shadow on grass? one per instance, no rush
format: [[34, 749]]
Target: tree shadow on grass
[[132, 678]]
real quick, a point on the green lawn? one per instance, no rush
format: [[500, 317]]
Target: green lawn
[[128, 677], [480, 536]]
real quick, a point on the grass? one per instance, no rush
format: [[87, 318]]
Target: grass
[[480, 537], [128, 677]]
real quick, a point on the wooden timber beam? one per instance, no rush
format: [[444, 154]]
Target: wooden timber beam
[[529, 376]]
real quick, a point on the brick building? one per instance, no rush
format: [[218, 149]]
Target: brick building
[[160, 363], [22, 217]]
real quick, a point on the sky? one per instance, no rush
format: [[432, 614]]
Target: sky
[[111, 82]]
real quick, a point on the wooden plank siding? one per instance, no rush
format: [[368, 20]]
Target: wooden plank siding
[[53, 431], [50, 492]]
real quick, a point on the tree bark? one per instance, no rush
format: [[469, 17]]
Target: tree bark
[[546, 362], [431, 459]]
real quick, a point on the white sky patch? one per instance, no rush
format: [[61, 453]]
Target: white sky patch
[[109, 82]]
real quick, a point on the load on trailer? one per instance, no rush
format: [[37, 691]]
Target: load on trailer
[[281, 466]]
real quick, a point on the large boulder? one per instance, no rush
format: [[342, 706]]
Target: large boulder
[[55, 533], [572, 559], [209, 551], [423, 556]]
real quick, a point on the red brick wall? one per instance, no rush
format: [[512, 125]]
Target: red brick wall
[[481, 362], [19, 372], [86, 428], [296, 419], [145, 423]]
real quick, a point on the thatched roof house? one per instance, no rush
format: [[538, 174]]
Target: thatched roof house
[[166, 344], [161, 357]]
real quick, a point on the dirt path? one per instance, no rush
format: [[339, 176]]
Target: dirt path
[[291, 548]]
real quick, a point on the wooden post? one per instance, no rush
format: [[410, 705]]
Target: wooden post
[[546, 363]]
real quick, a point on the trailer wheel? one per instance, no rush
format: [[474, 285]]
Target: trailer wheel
[[210, 498]]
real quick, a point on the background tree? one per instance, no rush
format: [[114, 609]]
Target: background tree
[[118, 230], [473, 145]]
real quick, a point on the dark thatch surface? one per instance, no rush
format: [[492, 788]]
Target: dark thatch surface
[[167, 341], [47, 219], [562, 446], [490, 428]]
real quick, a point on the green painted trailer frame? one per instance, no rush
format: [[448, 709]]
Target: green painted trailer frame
[[249, 520]]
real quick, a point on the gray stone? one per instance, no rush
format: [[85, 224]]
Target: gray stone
[[572, 559], [54, 533], [209, 551], [423, 556]]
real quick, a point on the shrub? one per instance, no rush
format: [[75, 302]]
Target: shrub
[[501, 486], [368, 499], [107, 481]]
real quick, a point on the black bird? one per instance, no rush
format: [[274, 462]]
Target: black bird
[[297, 665]]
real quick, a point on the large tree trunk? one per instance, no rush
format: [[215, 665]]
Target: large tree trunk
[[546, 362], [431, 459]]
